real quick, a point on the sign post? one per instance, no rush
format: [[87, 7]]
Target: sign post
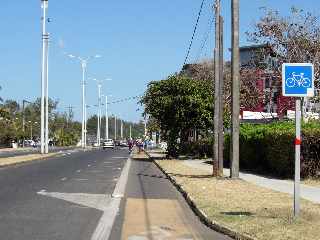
[[297, 81]]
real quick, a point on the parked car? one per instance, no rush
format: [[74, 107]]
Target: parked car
[[109, 143]]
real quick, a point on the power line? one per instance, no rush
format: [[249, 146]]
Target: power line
[[124, 100], [194, 33], [205, 37]]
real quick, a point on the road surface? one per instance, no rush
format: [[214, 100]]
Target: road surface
[[77, 197]]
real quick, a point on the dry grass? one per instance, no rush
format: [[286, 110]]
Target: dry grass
[[312, 182], [246, 208], [23, 159]]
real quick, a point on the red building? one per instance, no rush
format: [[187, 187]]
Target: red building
[[262, 61]]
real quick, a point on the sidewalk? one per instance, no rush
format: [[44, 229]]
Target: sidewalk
[[15, 149], [307, 192], [154, 209]]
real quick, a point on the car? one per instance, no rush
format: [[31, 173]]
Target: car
[[109, 143], [123, 143]]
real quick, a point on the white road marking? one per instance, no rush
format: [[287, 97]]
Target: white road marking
[[105, 225], [80, 179], [96, 201], [104, 202], [96, 171], [121, 184], [63, 179]]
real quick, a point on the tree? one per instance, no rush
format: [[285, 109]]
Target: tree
[[179, 104], [249, 93], [293, 39]]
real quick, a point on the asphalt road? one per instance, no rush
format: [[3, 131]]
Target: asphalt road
[[60, 198], [69, 197]]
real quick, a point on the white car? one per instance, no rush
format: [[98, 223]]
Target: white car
[[109, 143]]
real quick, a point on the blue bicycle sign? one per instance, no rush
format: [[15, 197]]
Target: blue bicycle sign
[[297, 79]]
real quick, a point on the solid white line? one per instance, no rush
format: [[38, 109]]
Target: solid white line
[[106, 222], [121, 184]]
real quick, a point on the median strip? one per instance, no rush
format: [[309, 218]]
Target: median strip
[[4, 162]]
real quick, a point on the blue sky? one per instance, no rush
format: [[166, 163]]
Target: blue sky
[[139, 41]]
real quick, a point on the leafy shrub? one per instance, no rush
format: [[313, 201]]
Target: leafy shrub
[[269, 149]]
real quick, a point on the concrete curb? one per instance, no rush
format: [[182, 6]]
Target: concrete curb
[[26, 161], [202, 216]]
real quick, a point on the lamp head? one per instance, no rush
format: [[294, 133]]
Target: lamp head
[[44, 3]]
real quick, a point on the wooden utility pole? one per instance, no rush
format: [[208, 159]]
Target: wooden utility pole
[[234, 154], [216, 91], [221, 98]]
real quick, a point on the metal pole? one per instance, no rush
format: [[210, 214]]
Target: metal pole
[[145, 126], [85, 126], [31, 131], [297, 159], [43, 72], [23, 122], [216, 91], [130, 132], [107, 119], [121, 129], [235, 129], [221, 98], [83, 66], [115, 127], [47, 99], [99, 114]]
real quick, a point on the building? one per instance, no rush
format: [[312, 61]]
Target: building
[[262, 60]]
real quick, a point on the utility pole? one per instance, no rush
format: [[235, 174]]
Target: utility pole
[[45, 38], [235, 72], [221, 98], [216, 91], [130, 132]]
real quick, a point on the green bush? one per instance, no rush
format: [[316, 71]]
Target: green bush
[[269, 149], [200, 149]]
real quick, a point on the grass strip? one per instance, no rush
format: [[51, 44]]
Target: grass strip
[[245, 208]]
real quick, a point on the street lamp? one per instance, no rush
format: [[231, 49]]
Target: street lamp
[[23, 119], [107, 118], [99, 82], [83, 62], [44, 80], [31, 125]]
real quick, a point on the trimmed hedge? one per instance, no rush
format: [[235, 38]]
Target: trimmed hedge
[[269, 149]]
